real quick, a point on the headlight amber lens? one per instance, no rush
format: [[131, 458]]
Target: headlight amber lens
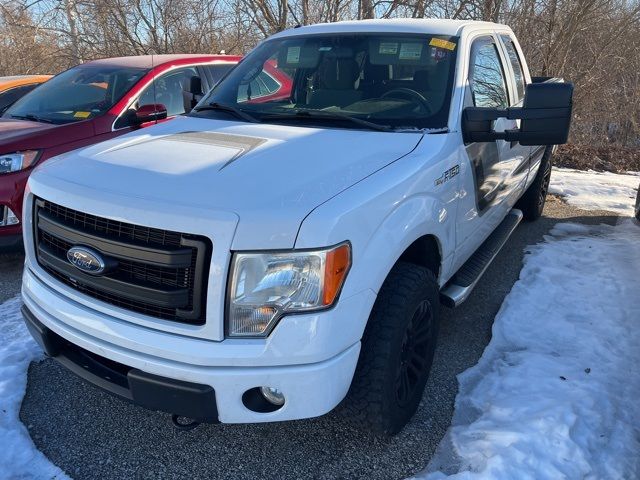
[[266, 286]]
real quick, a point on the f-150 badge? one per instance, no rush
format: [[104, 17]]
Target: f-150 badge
[[448, 175]]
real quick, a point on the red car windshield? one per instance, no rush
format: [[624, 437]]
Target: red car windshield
[[83, 92]]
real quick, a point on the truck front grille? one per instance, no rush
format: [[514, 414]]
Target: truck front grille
[[159, 273]]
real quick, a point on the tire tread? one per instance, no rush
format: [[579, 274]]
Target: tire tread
[[364, 404]]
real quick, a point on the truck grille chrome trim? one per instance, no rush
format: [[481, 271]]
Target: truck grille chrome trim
[[159, 273]]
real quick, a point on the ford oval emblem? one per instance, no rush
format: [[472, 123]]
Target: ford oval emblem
[[86, 260]]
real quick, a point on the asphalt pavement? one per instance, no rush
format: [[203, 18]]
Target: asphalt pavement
[[91, 434]]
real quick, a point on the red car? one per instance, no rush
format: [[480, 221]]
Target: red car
[[90, 103]]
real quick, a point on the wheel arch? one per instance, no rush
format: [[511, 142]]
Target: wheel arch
[[425, 251]]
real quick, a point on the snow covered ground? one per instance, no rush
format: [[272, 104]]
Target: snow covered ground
[[596, 190], [19, 458], [556, 392]]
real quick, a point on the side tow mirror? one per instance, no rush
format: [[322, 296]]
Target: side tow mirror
[[545, 115], [150, 113]]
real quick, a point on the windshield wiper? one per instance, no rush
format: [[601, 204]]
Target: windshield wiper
[[328, 116], [33, 118], [228, 108]]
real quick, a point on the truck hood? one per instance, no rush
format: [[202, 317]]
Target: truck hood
[[270, 176]]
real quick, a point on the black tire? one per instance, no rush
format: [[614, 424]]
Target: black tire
[[532, 201], [397, 352]]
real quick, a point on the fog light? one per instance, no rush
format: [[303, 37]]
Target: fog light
[[7, 217], [272, 395], [11, 218]]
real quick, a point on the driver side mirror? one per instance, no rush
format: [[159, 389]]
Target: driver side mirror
[[149, 113], [545, 115]]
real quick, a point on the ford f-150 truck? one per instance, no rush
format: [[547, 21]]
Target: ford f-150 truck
[[262, 261]]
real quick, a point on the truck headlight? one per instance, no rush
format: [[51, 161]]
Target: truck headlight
[[14, 162], [266, 286]]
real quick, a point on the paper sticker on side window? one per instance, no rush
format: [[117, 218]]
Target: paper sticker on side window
[[293, 55], [410, 51], [388, 48]]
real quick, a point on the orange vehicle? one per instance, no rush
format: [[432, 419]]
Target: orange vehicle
[[13, 88]]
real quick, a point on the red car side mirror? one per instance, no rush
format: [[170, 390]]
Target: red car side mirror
[[150, 113]]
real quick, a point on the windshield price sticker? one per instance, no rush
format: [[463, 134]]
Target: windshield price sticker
[[438, 42], [388, 48], [410, 51], [293, 55], [82, 114]]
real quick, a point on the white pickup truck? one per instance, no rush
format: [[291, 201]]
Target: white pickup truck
[[265, 259]]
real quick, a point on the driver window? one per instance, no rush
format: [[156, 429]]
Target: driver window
[[168, 90], [486, 75]]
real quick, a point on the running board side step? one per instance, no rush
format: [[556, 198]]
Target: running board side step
[[458, 289]]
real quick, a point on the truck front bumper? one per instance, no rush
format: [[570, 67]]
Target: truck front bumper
[[203, 392], [151, 391]]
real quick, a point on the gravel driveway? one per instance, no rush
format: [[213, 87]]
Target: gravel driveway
[[91, 434]]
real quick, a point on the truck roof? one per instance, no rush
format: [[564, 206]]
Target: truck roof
[[393, 25], [148, 61]]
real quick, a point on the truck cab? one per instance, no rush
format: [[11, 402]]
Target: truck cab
[[269, 257]]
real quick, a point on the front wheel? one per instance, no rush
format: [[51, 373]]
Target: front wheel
[[532, 201], [397, 351]]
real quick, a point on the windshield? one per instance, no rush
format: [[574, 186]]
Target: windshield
[[80, 93], [401, 81]]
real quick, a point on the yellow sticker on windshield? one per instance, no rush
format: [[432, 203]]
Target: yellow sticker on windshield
[[82, 114], [438, 42]]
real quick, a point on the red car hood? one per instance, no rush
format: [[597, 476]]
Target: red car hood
[[24, 135], [10, 129]]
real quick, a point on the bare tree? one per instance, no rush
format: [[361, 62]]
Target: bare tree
[[593, 43]]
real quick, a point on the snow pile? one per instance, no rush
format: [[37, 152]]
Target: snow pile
[[595, 190], [556, 393], [19, 458]]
